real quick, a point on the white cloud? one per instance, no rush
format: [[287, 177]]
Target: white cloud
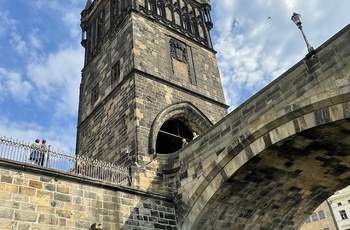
[[48, 76], [70, 19], [256, 41], [60, 138], [6, 22], [13, 86], [70, 15], [57, 79], [35, 40], [18, 43]]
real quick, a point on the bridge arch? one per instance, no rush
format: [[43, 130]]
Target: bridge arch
[[287, 171], [276, 157]]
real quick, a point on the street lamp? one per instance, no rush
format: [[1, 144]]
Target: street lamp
[[296, 19]]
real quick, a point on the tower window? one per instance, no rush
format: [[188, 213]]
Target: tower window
[[115, 72], [185, 23], [100, 23], [193, 25], [150, 5], [343, 215], [161, 9], [94, 94], [170, 136]]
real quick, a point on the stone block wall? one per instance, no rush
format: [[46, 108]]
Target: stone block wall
[[152, 52], [105, 125], [161, 81], [41, 199]]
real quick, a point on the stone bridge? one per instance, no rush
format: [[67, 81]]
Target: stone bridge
[[274, 159], [265, 166]]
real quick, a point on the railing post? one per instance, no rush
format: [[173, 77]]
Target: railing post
[[48, 156]]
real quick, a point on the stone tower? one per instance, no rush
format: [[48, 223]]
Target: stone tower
[[150, 78]]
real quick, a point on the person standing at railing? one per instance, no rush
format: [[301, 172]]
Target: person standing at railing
[[184, 142], [43, 149], [34, 155]]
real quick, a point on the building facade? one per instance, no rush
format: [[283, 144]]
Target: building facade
[[340, 205], [321, 218], [333, 214], [150, 78]]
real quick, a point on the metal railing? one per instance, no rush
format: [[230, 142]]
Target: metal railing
[[46, 157]]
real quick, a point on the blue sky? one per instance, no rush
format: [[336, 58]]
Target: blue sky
[[41, 57]]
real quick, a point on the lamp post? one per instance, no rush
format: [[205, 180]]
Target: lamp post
[[296, 19]]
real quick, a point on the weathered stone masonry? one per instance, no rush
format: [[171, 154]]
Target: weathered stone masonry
[[279, 155], [165, 55], [143, 57], [40, 199]]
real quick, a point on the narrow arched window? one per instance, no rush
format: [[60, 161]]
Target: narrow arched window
[[185, 23], [161, 9], [150, 5], [194, 28]]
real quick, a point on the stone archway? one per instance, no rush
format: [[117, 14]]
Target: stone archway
[[272, 181], [185, 113]]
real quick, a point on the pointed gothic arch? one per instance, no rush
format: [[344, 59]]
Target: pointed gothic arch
[[186, 23], [183, 114], [193, 27], [161, 13]]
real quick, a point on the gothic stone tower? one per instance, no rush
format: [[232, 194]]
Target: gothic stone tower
[[150, 78]]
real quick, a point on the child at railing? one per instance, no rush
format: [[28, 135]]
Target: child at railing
[[78, 168]]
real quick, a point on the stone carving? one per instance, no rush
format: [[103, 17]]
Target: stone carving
[[179, 52]]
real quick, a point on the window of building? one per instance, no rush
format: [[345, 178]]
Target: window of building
[[94, 94], [115, 72], [339, 204], [343, 214], [321, 215], [308, 220], [161, 9], [193, 26], [170, 136], [150, 5], [100, 23], [185, 23], [314, 216]]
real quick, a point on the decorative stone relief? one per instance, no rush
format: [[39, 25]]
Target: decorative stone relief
[[181, 57]]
